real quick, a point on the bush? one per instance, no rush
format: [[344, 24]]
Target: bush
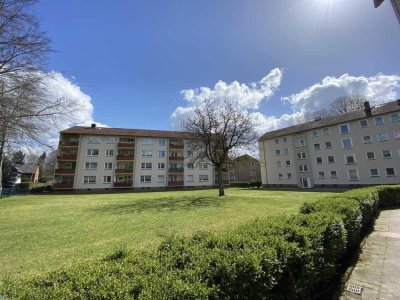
[[292, 257], [41, 189], [239, 184]]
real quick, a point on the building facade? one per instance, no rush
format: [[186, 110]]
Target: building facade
[[114, 158], [353, 149], [245, 169]]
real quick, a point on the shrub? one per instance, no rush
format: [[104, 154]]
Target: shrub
[[239, 184]]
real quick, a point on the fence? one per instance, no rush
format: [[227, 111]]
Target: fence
[[13, 191]]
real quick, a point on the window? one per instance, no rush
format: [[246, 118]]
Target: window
[[92, 152], [94, 140], [347, 143], [328, 145], [371, 155], [350, 159], [317, 146], [89, 179], [363, 123], [301, 155], [367, 139], [161, 142], [287, 163], [277, 152], [280, 176], [303, 168], [378, 120], [147, 141], [331, 159], [147, 153], [374, 172], [279, 164], [276, 141], [386, 154], [108, 166], [315, 133], [91, 166], [286, 151], [161, 166], [321, 174], [203, 178], [284, 139], [106, 179], [319, 160], [390, 172], [333, 174], [325, 131], [189, 154], [160, 178], [109, 152], [395, 117], [145, 178], [382, 136], [111, 140], [396, 134], [300, 143], [190, 165], [344, 128], [189, 178], [289, 176], [203, 166], [127, 140], [145, 166], [353, 174], [161, 153]]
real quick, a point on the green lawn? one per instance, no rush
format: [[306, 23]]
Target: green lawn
[[43, 232]]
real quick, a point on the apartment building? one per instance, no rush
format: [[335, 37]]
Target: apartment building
[[353, 149], [115, 158], [245, 169]]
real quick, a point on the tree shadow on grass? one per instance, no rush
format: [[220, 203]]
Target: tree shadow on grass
[[164, 204]]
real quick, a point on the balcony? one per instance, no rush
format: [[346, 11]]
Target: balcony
[[176, 146], [68, 144], [63, 185], [67, 157], [65, 171], [125, 157], [123, 184], [123, 171], [175, 170], [126, 145], [176, 158], [175, 183]]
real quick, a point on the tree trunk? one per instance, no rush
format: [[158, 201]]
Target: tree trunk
[[220, 181]]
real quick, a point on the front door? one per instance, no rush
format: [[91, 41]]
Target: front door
[[305, 182]]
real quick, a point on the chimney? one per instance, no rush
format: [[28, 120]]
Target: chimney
[[367, 109], [93, 125]]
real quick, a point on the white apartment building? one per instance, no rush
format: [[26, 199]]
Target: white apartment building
[[353, 149], [114, 158]]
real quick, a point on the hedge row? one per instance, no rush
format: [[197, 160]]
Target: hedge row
[[246, 184], [293, 257]]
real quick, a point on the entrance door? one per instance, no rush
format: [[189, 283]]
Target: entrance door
[[305, 182]]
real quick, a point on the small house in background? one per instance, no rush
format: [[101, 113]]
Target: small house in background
[[245, 169], [27, 173]]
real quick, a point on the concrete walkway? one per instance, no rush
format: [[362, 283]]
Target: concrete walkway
[[378, 268]]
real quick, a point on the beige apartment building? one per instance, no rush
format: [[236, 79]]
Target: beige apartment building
[[353, 149], [115, 158], [245, 169]]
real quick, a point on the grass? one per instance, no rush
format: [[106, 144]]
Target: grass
[[39, 233]]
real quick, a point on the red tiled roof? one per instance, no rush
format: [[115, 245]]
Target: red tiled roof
[[351, 116]]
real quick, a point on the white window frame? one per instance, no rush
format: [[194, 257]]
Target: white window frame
[[286, 164], [150, 153], [190, 178], [315, 133], [89, 181], [285, 151], [366, 155], [340, 128], [162, 142], [301, 168], [395, 119], [390, 152], [367, 142], [146, 166], [322, 160], [284, 139], [300, 143], [334, 159], [160, 176], [370, 174], [162, 153], [396, 134], [106, 164], [351, 142], [379, 117], [394, 170], [143, 178], [317, 148], [326, 147], [147, 141], [301, 155], [326, 130], [323, 174], [203, 178], [335, 176], [161, 166], [350, 155], [349, 177], [364, 120], [91, 150], [108, 151], [94, 140], [89, 163], [276, 140], [383, 140], [191, 166], [203, 166], [107, 177], [277, 152], [289, 176]]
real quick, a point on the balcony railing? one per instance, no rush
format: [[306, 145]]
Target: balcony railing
[[175, 170], [67, 157], [126, 145], [123, 171], [123, 184], [176, 146], [63, 185], [176, 158], [175, 183], [64, 171], [68, 144], [125, 157]]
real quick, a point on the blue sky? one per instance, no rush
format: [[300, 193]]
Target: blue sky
[[132, 59]]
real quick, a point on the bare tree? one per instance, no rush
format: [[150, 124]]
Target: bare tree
[[220, 133], [346, 104]]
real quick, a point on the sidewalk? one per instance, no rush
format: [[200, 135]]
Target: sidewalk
[[378, 268]]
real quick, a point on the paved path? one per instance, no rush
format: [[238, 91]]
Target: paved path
[[378, 268]]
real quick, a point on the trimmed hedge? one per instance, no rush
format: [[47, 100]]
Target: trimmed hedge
[[246, 184], [292, 257]]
